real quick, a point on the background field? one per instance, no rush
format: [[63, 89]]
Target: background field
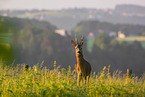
[[141, 39]]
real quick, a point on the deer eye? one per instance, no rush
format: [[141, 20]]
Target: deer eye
[[77, 48]]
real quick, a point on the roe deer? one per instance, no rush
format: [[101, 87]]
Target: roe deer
[[83, 67]]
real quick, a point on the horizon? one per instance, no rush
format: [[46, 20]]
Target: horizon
[[64, 4]]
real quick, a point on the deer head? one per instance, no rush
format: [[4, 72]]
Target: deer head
[[77, 45]]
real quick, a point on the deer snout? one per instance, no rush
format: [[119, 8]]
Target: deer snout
[[78, 52]]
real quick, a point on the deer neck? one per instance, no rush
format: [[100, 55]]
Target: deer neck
[[80, 58]]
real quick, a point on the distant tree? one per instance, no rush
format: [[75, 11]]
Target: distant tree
[[103, 41]]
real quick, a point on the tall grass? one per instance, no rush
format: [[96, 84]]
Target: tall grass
[[42, 82]]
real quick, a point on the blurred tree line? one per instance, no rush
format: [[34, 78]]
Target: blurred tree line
[[36, 44], [34, 41], [120, 55], [85, 27]]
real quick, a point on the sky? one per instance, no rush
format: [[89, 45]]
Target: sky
[[60, 4]]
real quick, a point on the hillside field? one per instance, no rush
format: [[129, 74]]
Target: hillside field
[[40, 81], [141, 39]]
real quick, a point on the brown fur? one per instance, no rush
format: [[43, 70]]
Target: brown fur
[[83, 67]]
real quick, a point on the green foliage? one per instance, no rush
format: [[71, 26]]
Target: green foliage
[[5, 53], [6, 29], [36, 82]]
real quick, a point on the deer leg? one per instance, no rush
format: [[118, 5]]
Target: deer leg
[[85, 79], [79, 78], [88, 77]]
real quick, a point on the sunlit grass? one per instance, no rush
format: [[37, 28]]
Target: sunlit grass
[[42, 82]]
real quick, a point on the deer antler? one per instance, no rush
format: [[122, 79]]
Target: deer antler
[[76, 39], [82, 38], [81, 42]]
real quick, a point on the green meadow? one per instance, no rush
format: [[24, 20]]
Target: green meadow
[[39, 81]]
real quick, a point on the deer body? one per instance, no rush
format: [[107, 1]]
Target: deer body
[[83, 67]]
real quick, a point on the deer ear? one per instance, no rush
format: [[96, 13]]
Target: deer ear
[[73, 43]]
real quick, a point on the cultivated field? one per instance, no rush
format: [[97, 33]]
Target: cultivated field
[[141, 38], [40, 81]]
